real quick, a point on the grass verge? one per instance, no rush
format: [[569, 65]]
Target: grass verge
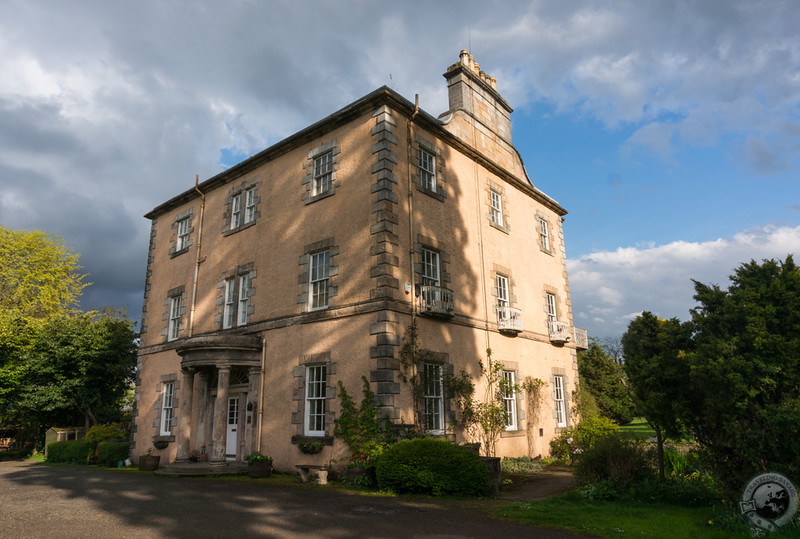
[[624, 519], [638, 429]]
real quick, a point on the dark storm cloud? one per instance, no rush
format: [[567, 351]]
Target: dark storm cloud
[[107, 109]]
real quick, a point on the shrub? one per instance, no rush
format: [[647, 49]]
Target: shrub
[[520, 465], [429, 466], [75, 452], [106, 431], [614, 458], [109, 453], [577, 440]]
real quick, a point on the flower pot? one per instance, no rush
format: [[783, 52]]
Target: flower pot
[[261, 468], [149, 463]]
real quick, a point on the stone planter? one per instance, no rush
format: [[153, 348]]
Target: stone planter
[[261, 468], [495, 472], [149, 463]]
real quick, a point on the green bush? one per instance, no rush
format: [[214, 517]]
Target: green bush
[[577, 440], [75, 452], [520, 465], [434, 467], [109, 453], [614, 458], [106, 431]]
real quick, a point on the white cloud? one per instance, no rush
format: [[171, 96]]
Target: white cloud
[[610, 288]]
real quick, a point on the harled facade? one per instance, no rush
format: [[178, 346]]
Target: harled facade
[[304, 265]]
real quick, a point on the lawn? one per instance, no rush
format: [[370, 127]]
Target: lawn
[[638, 429], [626, 519]]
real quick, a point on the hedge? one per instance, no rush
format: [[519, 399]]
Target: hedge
[[109, 453], [74, 452]]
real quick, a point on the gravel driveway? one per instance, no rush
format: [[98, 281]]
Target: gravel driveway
[[82, 501]]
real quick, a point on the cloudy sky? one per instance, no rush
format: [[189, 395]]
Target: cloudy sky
[[670, 130]]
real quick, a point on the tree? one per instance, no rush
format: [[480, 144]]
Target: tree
[[39, 275], [77, 365], [658, 371], [605, 380], [482, 420], [744, 406]]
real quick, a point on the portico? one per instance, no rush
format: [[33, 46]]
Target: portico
[[225, 370]]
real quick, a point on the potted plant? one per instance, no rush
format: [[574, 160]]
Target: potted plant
[[202, 456], [149, 462], [259, 465], [310, 446]]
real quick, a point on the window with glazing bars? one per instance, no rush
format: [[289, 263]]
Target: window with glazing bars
[[174, 327], [544, 235], [430, 268], [427, 170], [323, 173], [250, 205], [183, 234], [316, 383], [558, 397], [318, 280], [167, 408], [510, 399], [496, 204], [433, 401]]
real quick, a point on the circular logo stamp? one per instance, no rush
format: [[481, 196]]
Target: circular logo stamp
[[769, 502]]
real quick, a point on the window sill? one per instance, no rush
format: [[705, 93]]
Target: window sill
[[499, 227], [231, 231], [311, 199], [173, 254], [435, 194]]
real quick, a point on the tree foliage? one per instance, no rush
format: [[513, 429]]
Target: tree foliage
[[744, 402], [655, 362], [482, 420], [56, 363], [605, 380], [39, 275], [77, 364], [731, 376]]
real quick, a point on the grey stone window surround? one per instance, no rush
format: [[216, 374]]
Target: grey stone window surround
[[308, 180], [164, 379], [505, 227], [240, 189], [299, 395], [448, 414], [424, 242], [237, 272], [178, 291], [521, 415], [173, 250], [559, 371], [440, 193], [540, 216], [512, 285], [303, 277], [554, 291]]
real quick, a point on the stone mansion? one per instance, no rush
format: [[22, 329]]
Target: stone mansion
[[306, 265]]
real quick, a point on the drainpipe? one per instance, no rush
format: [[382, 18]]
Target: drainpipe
[[409, 148], [261, 393], [198, 260]]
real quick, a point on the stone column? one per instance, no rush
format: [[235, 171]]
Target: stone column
[[183, 438], [220, 430], [201, 432], [251, 409]]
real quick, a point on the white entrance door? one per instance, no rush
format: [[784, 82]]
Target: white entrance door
[[233, 427]]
